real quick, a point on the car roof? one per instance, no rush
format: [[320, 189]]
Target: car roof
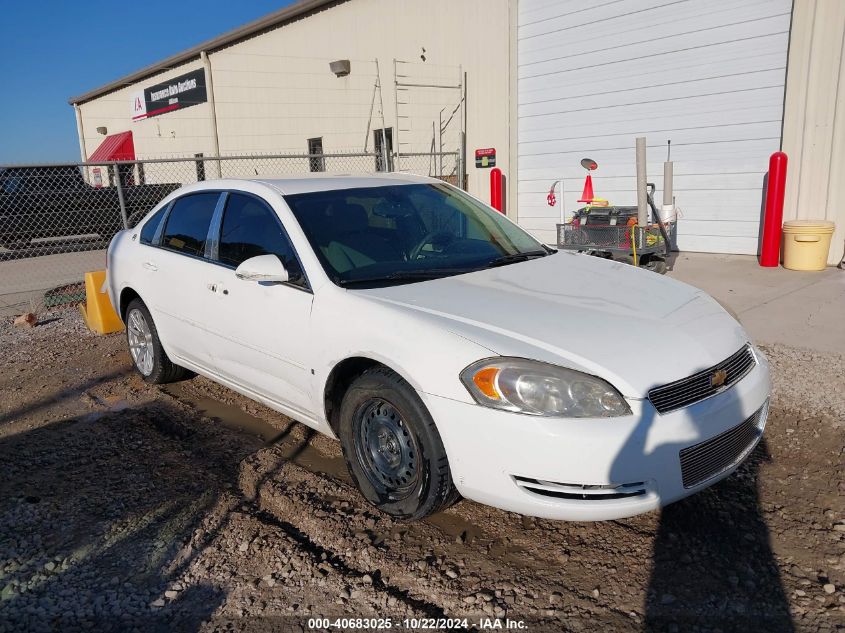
[[329, 182]]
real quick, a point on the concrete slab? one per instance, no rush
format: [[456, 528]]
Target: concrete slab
[[801, 309], [23, 281]]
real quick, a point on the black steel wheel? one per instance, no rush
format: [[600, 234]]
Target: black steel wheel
[[386, 448], [392, 447]]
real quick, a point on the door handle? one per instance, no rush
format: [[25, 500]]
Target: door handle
[[217, 288], [150, 266]]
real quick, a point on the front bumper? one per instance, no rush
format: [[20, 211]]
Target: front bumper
[[591, 469]]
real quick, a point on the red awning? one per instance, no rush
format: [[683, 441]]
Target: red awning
[[115, 147]]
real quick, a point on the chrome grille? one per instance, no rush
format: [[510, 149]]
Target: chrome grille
[[711, 458], [583, 492], [687, 391]]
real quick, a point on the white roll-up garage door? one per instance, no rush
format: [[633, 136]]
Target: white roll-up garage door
[[707, 75]]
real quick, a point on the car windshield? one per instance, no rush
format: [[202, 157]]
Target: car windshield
[[376, 236]]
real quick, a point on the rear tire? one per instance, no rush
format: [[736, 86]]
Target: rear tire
[[392, 447], [148, 356]]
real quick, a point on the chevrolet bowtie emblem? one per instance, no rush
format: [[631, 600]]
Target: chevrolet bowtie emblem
[[718, 378]]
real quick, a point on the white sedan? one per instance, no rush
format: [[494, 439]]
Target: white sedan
[[450, 352]]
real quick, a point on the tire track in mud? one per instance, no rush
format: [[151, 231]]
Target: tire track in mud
[[555, 573], [769, 538], [319, 555], [447, 565]]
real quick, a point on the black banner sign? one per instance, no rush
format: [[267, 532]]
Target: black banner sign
[[175, 94]]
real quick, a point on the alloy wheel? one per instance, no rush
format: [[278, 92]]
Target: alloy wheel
[[140, 342]]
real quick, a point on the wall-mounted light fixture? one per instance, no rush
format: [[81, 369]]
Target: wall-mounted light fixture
[[340, 67], [103, 130]]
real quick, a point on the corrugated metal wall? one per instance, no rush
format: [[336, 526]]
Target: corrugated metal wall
[[707, 75], [275, 90], [814, 119]]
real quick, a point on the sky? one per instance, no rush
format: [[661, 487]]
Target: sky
[[51, 50]]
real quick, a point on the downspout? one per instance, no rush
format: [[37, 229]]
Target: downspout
[[80, 132], [209, 86], [512, 184]]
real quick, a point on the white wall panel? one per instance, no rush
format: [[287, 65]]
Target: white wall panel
[[707, 75], [274, 91]]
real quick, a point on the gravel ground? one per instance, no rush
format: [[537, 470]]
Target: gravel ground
[[129, 507]]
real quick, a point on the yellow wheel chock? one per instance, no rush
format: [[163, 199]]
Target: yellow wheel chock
[[97, 311]]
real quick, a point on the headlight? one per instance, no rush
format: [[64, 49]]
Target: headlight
[[535, 388]]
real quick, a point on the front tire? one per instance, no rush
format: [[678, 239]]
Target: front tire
[[148, 356], [392, 447]]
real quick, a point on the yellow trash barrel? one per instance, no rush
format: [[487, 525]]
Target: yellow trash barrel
[[806, 244]]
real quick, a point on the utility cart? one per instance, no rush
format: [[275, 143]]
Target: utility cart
[[612, 232]]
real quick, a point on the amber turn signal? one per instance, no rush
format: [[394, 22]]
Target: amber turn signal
[[485, 380]]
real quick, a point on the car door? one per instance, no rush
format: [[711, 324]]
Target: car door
[[175, 277], [260, 332]]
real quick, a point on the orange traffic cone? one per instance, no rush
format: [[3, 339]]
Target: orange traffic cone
[[588, 195]]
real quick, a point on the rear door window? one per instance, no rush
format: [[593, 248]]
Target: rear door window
[[148, 232], [187, 225], [250, 228]]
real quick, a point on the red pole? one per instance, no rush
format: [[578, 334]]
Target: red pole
[[496, 189], [773, 220]]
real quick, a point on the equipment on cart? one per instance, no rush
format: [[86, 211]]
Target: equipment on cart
[[612, 231]]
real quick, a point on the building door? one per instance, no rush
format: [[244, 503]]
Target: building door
[[200, 165], [379, 141], [707, 76], [316, 162]]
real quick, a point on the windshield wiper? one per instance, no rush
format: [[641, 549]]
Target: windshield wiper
[[515, 257], [408, 275]]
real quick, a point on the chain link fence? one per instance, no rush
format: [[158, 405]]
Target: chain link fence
[[57, 220]]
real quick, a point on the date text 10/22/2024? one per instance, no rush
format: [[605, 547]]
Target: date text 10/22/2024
[[417, 624]]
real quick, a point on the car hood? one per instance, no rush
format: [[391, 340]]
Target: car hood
[[632, 327]]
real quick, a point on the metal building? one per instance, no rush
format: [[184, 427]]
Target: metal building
[[544, 83]]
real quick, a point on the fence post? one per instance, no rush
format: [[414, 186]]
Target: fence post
[[462, 153], [642, 190], [458, 182], [385, 158], [120, 199]]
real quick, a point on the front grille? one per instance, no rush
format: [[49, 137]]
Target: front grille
[[711, 458], [687, 391], [583, 492]]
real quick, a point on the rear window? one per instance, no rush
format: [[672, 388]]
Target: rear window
[[187, 225], [151, 226]]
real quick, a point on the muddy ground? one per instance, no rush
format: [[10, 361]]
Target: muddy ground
[[125, 506]]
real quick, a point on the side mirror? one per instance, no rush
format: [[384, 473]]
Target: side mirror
[[263, 268]]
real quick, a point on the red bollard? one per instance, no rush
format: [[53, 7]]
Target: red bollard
[[496, 189], [773, 219]]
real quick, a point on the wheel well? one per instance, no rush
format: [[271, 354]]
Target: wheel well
[[126, 296], [338, 382]]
